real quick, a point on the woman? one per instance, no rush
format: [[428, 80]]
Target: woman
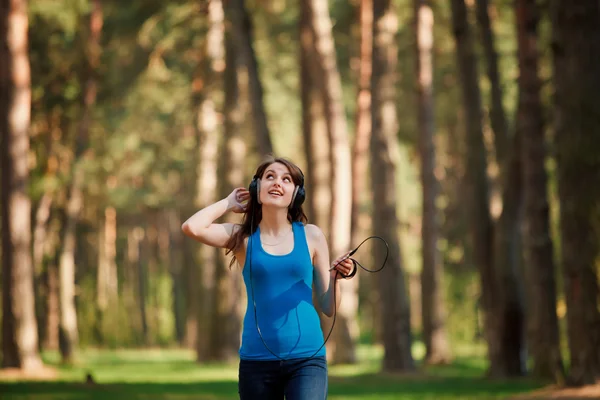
[[282, 352]]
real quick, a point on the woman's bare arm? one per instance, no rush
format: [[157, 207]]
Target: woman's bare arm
[[202, 227]]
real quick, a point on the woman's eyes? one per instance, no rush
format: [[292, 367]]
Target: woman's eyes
[[286, 179]]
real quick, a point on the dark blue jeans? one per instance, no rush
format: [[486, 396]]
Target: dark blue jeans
[[297, 379]]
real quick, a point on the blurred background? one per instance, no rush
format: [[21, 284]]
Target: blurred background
[[464, 132]]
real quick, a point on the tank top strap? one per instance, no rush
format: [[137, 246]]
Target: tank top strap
[[300, 242]]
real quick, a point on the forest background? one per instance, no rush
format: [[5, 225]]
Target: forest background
[[464, 132]]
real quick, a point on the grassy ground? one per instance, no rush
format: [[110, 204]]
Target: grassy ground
[[173, 375]]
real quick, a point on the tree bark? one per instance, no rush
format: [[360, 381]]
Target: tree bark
[[507, 356], [242, 31], [476, 181], [497, 114], [314, 128], [576, 44], [397, 338], [69, 336], [207, 83], [107, 285], [227, 312], [19, 325], [345, 333], [176, 268], [360, 153], [538, 249], [432, 294]]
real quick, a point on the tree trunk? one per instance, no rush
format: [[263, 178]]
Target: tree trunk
[[19, 325], [360, 156], [538, 249], [208, 83], [432, 294], [314, 128], [316, 144], [227, 311], [52, 307], [135, 238], [497, 114], [107, 279], [397, 338], [480, 223], [576, 44], [40, 275], [242, 31], [176, 268], [69, 337], [508, 356], [345, 333]]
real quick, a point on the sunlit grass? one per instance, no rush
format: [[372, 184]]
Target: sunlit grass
[[174, 375]]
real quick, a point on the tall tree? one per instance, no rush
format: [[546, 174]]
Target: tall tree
[[397, 338], [360, 151], [206, 84], [346, 329], [19, 325], [497, 114], [480, 223], [226, 317], [107, 281], [537, 245], [432, 294], [69, 336], [576, 44], [314, 129], [242, 30], [508, 352]]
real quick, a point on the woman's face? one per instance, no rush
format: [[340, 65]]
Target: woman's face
[[277, 186]]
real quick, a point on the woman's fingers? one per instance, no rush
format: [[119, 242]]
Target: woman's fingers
[[343, 266]]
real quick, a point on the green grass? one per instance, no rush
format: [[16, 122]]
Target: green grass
[[173, 375]]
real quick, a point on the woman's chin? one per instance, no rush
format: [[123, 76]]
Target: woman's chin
[[274, 203]]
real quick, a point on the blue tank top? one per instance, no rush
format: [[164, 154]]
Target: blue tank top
[[286, 315]]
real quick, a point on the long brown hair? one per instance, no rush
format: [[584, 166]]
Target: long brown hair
[[253, 214]]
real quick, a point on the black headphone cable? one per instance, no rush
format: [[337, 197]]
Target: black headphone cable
[[354, 270]]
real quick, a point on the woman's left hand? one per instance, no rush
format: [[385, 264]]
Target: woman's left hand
[[341, 267]]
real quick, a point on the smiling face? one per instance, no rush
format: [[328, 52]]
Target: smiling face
[[277, 186]]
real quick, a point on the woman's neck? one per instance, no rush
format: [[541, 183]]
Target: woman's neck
[[274, 223]]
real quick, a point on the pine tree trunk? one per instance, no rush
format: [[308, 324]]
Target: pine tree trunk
[[69, 336], [227, 313], [480, 223], [576, 45], [201, 304], [314, 128], [242, 31], [135, 240], [497, 114], [316, 144], [52, 307], [508, 356], [360, 154], [19, 325], [176, 268], [543, 334], [432, 294], [397, 338], [345, 333], [107, 285]]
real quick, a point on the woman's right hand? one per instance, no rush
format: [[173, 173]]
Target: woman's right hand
[[238, 200]]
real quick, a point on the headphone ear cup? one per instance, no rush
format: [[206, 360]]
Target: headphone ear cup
[[254, 189], [299, 196]]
